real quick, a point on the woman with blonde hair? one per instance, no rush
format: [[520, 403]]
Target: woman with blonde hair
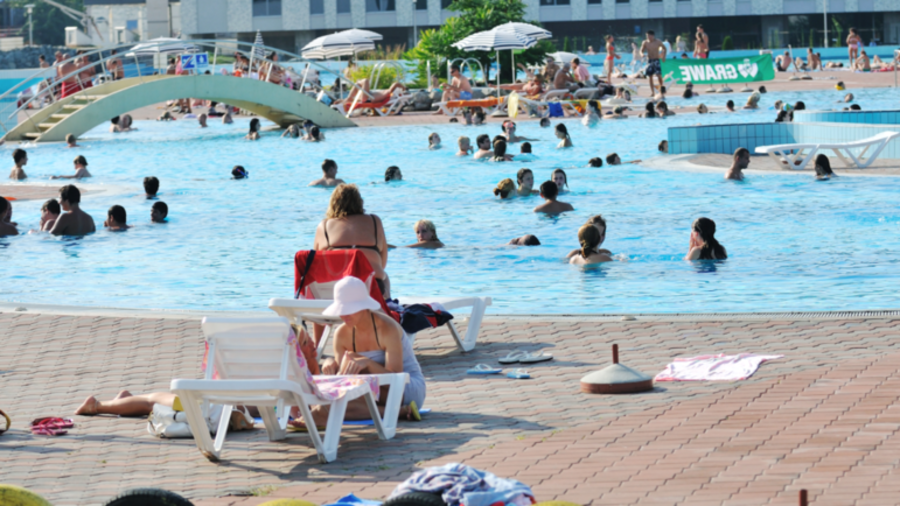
[[589, 239], [504, 188], [347, 226], [599, 223], [426, 233], [753, 101]]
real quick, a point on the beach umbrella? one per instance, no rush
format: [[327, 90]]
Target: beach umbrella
[[337, 44], [566, 58], [525, 29], [365, 34], [493, 40], [259, 51]]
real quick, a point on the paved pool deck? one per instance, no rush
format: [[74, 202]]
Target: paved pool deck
[[825, 417]]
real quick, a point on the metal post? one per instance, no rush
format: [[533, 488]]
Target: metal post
[[825, 19], [30, 8], [415, 26], [215, 56]]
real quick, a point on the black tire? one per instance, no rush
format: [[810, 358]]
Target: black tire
[[416, 499], [149, 497]]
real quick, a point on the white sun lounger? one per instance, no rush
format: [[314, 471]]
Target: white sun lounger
[[797, 156], [300, 310], [258, 367]]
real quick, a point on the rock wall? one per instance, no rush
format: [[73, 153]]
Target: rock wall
[[27, 57]]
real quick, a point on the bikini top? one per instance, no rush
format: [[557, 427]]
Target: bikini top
[[373, 248], [374, 327]]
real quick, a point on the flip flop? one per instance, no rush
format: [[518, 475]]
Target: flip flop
[[519, 374], [484, 369], [532, 358], [53, 422], [414, 411], [513, 357]]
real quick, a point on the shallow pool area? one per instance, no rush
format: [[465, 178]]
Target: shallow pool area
[[793, 244]]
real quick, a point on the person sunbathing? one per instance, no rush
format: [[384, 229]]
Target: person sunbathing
[[80, 169], [783, 62], [20, 159], [426, 233], [125, 404], [347, 226], [862, 63], [533, 87], [599, 223], [369, 342], [459, 87], [367, 96], [465, 146], [549, 191], [74, 221], [590, 239], [329, 175]]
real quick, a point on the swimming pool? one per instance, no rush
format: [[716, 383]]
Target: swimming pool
[[793, 244]]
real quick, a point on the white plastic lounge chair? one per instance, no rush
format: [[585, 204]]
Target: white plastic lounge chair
[[300, 310], [793, 155], [258, 366]]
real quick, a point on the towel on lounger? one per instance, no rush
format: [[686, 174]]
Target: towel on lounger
[[714, 367]]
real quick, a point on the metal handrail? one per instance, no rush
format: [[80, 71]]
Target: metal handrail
[[215, 43]]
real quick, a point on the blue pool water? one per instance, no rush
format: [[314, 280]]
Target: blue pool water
[[793, 244]]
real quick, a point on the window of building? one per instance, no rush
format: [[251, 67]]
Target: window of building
[[623, 1], [654, 0], [343, 6], [446, 3], [269, 8], [595, 1], [380, 5], [554, 2], [315, 7], [421, 5]]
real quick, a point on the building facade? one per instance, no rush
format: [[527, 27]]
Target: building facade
[[291, 24], [123, 21]]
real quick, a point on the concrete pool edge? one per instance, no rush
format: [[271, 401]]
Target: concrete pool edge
[[193, 314]]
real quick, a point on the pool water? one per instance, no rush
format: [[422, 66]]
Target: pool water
[[793, 244]]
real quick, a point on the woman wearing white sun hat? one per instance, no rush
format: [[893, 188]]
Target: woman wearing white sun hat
[[370, 342]]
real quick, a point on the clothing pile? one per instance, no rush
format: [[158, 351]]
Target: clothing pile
[[461, 485]]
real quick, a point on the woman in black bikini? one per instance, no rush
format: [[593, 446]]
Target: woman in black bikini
[[347, 226]]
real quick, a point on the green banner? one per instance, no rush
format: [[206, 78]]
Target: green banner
[[720, 70]]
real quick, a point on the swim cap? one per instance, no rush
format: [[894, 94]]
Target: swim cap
[[838, 87]]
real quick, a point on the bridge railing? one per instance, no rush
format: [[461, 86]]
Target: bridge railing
[[262, 58]]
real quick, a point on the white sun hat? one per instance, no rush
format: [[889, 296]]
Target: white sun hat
[[350, 296]]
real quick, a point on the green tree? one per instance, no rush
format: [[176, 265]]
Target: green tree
[[474, 16], [49, 23], [727, 43]]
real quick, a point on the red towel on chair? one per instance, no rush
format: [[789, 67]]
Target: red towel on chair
[[332, 266]]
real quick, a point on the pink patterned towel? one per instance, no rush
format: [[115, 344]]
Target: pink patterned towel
[[714, 367]]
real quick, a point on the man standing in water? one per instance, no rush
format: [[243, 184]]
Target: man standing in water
[[740, 162], [701, 46], [73, 221], [655, 52]]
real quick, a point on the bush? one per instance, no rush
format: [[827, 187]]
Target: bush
[[727, 43], [389, 75]]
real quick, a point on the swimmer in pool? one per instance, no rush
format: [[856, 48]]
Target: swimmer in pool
[[599, 223], [740, 162], [7, 227], [848, 98], [483, 142], [595, 162], [504, 188], [227, 119], [545, 122], [558, 176], [589, 239], [525, 240], [151, 187], [525, 179], [500, 151], [20, 159], [617, 113], [729, 106], [292, 131], [434, 141], [393, 174], [753, 101], [563, 134], [329, 175], [71, 142], [662, 110], [703, 245], [613, 159], [426, 233], [239, 172], [549, 191], [823, 168], [159, 212], [702, 109], [465, 146], [73, 221], [80, 169], [509, 131], [478, 116], [202, 120], [116, 219], [314, 134], [50, 212], [253, 135]]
